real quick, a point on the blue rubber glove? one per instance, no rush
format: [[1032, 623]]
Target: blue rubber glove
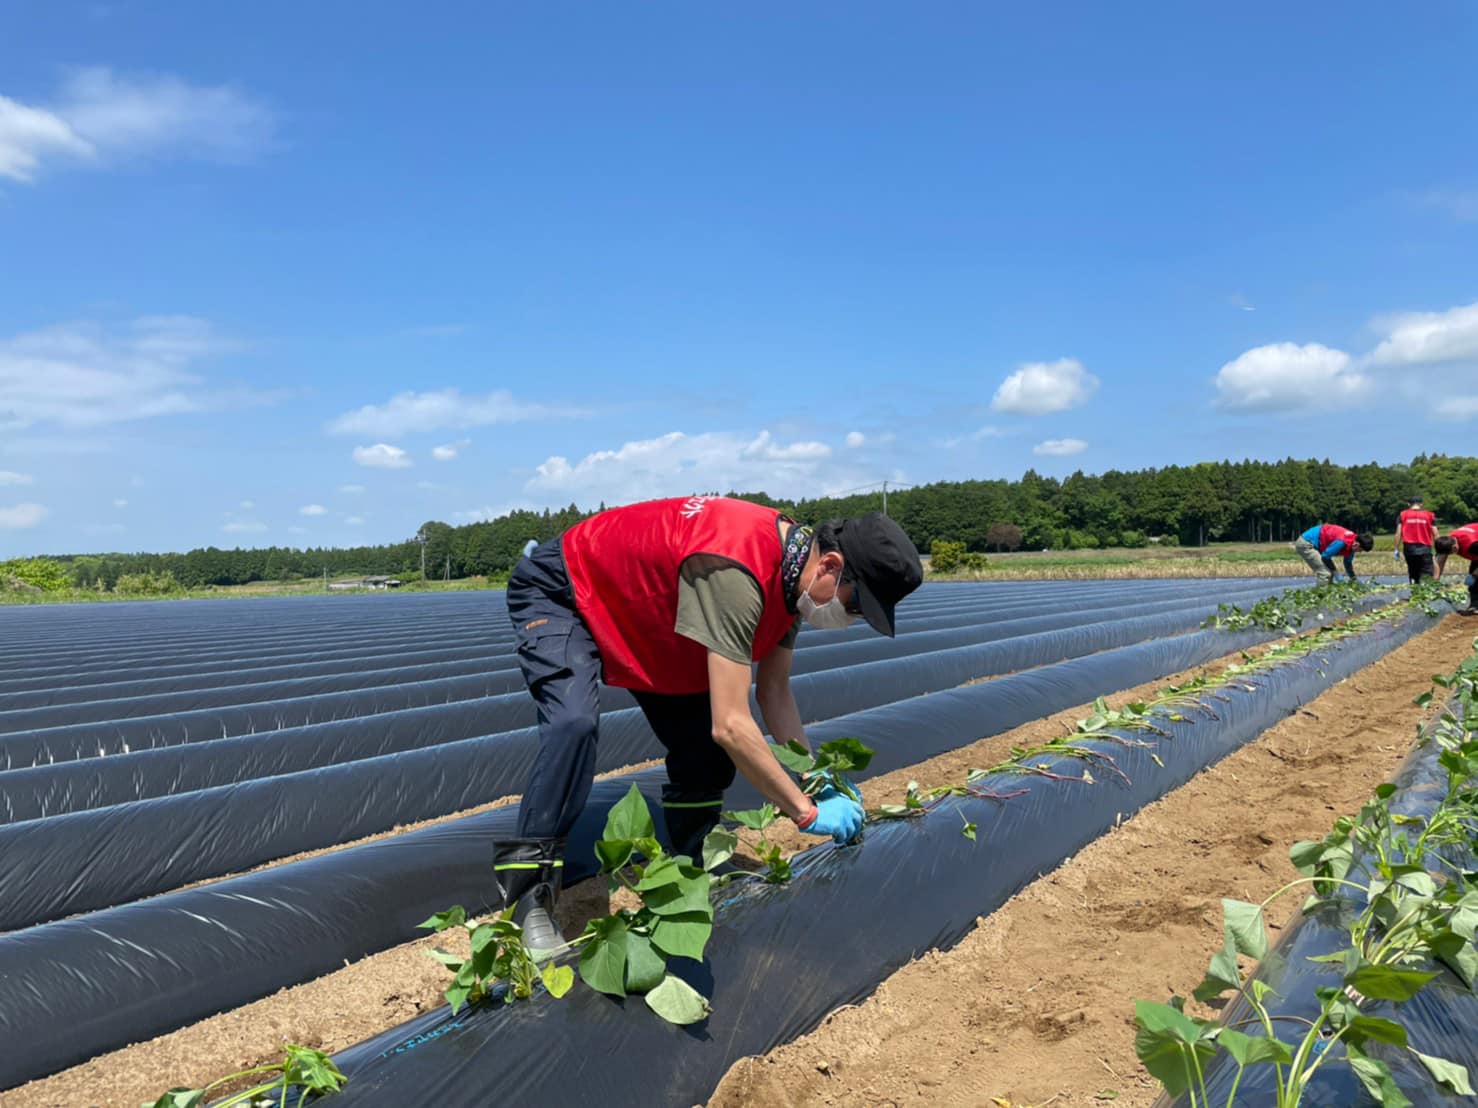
[[1469, 580], [836, 815]]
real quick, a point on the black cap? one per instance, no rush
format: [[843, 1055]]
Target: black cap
[[882, 565], [1413, 500]]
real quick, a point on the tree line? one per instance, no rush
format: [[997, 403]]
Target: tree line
[[1190, 505]]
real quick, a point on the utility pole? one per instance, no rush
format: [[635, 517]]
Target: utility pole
[[448, 575], [885, 498]]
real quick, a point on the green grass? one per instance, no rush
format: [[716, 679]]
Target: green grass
[[1275, 559], [255, 589]]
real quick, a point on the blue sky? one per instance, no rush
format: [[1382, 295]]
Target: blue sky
[[311, 274]]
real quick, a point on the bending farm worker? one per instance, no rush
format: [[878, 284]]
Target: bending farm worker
[[675, 600], [1462, 541], [1323, 542], [1414, 538]]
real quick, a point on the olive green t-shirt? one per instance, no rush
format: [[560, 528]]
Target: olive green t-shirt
[[719, 604]]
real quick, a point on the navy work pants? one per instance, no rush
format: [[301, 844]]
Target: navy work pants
[[561, 664], [1418, 561]]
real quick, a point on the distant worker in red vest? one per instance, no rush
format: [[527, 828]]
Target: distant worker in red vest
[[1414, 537], [1323, 542], [1462, 541], [675, 600]]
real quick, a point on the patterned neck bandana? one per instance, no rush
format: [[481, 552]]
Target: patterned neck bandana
[[793, 560]]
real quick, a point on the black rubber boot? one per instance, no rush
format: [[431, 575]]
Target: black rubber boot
[[528, 873], [691, 814]]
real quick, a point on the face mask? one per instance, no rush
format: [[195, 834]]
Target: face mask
[[830, 616]]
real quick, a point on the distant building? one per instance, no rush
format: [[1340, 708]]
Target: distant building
[[348, 583]]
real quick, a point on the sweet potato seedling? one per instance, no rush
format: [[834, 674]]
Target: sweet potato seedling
[[624, 953], [309, 1072], [777, 866], [1406, 903], [827, 767]]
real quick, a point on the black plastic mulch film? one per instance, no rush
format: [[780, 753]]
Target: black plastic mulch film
[[90, 859], [773, 970], [1441, 1020], [73, 987], [44, 736]]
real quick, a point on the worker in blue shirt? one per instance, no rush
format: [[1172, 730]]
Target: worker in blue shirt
[[1323, 542]]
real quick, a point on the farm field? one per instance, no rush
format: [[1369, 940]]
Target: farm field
[[1222, 559], [254, 805]]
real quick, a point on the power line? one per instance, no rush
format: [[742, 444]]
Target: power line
[[877, 484]]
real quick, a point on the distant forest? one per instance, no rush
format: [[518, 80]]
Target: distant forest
[[1188, 505]]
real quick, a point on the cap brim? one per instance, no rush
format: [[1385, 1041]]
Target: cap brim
[[879, 617]]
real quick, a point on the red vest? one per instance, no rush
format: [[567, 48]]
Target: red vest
[[625, 563], [1332, 533], [1466, 537], [1416, 526]]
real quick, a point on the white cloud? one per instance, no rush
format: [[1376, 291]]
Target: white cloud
[[382, 456], [21, 516], [1428, 338], [312, 510], [244, 527], [120, 503], [1060, 448], [448, 451], [248, 505], [1040, 388], [27, 135], [9, 477], [676, 463], [1457, 409], [988, 432], [855, 439], [79, 376], [763, 446], [351, 490], [99, 117], [444, 410], [354, 521], [1284, 377]]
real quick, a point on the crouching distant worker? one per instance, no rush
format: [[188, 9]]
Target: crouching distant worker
[[1414, 539], [1462, 541], [1322, 543], [675, 600]]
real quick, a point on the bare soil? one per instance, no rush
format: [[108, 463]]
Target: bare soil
[[1035, 1006], [1040, 1018]]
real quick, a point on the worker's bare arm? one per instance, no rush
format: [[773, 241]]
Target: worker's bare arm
[[735, 729]]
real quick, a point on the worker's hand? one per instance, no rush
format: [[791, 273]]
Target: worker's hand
[[1395, 555], [1469, 580], [836, 815], [856, 788]]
